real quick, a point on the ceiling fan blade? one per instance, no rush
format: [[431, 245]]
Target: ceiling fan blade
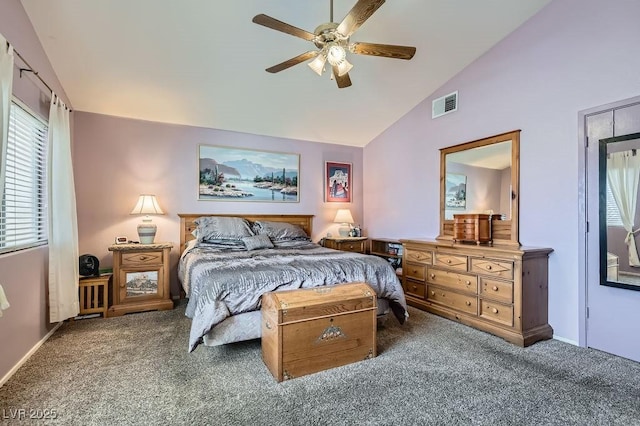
[[293, 61], [274, 24], [357, 15], [385, 50], [343, 81]]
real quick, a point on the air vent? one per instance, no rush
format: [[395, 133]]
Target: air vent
[[444, 105]]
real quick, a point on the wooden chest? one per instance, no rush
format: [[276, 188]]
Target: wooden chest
[[309, 330], [472, 228]]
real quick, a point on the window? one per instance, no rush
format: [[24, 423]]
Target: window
[[23, 214], [613, 214]]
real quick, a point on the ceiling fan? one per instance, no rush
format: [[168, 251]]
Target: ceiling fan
[[332, 40]]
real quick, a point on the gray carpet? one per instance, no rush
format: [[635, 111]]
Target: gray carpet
[[136, 370]]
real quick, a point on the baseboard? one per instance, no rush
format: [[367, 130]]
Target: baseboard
[[562, 339], [28, 355]]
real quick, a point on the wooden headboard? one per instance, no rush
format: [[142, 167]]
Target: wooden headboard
[[187, 226]]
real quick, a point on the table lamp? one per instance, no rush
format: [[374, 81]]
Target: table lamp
[[147, 205], [343, 216]]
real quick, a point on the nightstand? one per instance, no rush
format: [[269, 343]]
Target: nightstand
[[354, 244], [140, 278]]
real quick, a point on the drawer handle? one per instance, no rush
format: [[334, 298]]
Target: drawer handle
[[494, 310], [415, 287], [468, 303], [448, 260], [488, 267], [415, 271], [267, 324], [433, 276], [433, 293], [495, 288], [467, 282], [351, 246]]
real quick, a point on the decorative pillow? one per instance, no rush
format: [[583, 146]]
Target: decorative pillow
[[222, 228], [257, 242], [279, 230]]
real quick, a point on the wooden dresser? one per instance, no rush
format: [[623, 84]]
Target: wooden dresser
[[500, 290]]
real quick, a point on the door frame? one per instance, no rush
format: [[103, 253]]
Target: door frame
[[583, 173]]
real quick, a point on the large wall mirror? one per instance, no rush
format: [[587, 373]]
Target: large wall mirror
[[619, 160], [482, 176]]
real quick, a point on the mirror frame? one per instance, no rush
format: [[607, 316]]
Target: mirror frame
[[602, 200], [505, 230]]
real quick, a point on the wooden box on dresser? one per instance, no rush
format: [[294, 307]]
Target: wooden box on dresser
[[500, 290], [140, 278]]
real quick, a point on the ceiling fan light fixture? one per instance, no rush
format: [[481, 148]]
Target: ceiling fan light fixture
[[336, 54], [344, 67], [317, 64]]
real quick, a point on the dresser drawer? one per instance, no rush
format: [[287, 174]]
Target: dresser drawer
[[413, 255], [496, 312], [496, 268], [145, 258], [461, 302], [414, 270], [451, 261], [414, 288], [454, 280], [498, 290]]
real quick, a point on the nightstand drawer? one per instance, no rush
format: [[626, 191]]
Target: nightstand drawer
[[145, 258], [355, 246]]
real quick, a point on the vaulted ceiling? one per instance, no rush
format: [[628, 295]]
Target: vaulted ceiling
[[202, 62]]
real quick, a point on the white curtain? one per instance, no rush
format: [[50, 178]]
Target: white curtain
[[63, 221], [623, 175], [6, 81]]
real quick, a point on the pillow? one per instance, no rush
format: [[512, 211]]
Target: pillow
[[222, 228], [278, 231], [257, 242]]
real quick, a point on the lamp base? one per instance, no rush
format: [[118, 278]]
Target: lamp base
[[147, 232], [344, 230]]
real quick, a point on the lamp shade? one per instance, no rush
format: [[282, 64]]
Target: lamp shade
[[147, 204], [343, 216]]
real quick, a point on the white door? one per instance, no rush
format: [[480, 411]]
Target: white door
[[613, 314]]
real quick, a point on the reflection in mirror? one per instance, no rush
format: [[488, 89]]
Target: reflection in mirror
[[481, 177], [478, 180], [619, 159]]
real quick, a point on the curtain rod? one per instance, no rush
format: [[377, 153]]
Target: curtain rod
[[31, 70]]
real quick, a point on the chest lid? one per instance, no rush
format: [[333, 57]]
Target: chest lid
[[317, 302]]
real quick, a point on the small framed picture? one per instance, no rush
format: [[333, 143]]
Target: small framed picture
[[121, 240], [337, 186]]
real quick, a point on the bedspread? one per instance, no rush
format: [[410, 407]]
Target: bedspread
[[221, 283]]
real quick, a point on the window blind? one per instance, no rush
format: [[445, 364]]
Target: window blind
[[613, 214], [23, 214]]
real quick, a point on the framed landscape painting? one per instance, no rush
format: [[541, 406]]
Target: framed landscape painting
[[337, 186], [238, 174], [456, 191]]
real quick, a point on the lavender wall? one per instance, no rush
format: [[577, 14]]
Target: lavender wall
[[573, 55], [116, 159], [23, 274]]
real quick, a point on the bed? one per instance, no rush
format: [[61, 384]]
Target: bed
[[228, 262]]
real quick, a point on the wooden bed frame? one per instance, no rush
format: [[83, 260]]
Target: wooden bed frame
[[187, 225]]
